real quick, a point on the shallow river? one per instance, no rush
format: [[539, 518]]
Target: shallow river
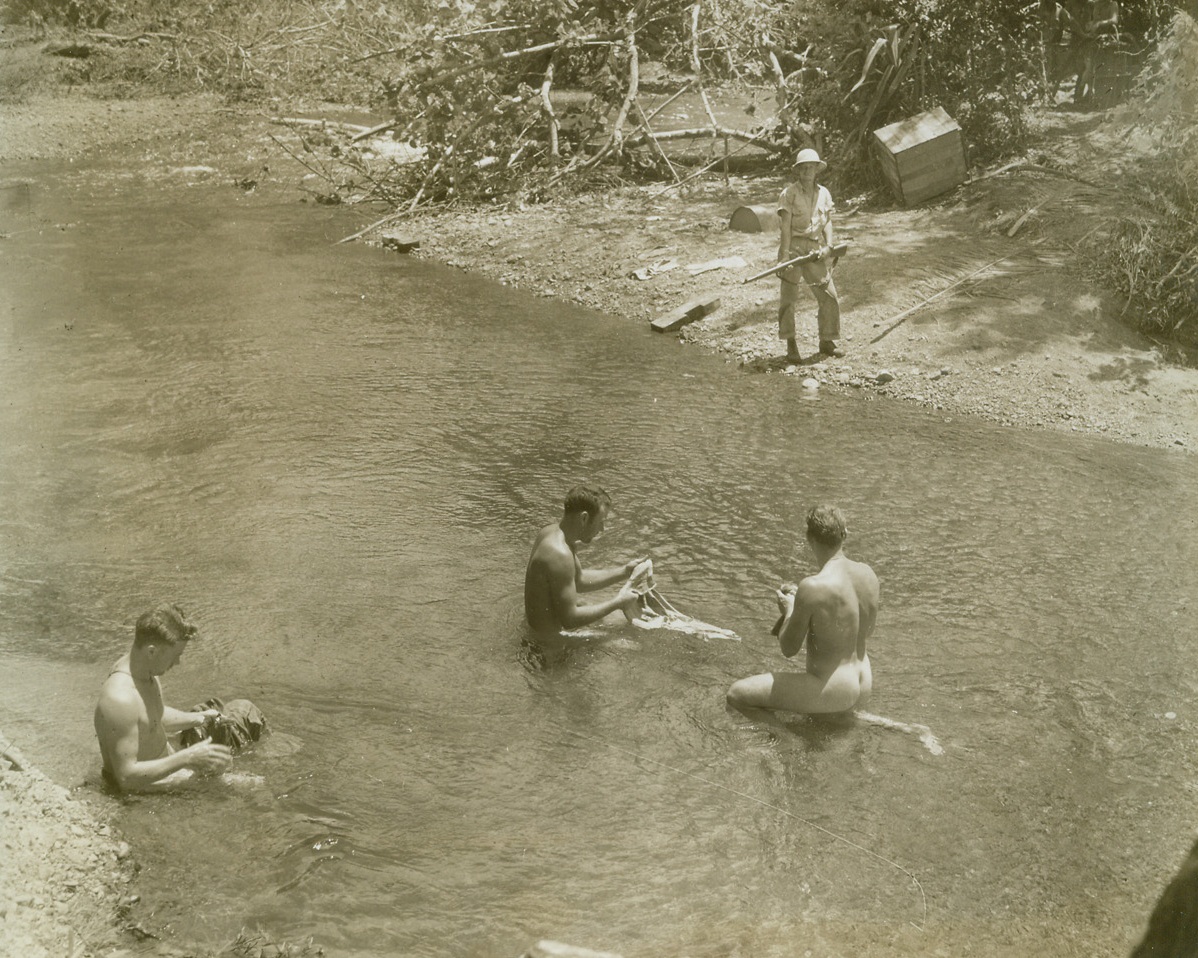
[[334, 458]]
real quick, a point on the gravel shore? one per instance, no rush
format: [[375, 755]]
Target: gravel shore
[[64, 874]]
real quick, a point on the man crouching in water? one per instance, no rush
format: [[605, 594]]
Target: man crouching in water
[[834, 611], [554, 576], [132, 723]]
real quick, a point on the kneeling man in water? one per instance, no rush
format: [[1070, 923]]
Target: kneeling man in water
[[554, 576], [132, 722], [834, 612]]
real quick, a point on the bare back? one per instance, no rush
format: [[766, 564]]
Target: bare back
[[840, 606], [552, 570]]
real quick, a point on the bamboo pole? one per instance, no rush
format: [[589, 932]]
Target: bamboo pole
[[898, 320]]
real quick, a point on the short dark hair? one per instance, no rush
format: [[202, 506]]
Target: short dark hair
[[164, 624], [587, 498], [826, 525]]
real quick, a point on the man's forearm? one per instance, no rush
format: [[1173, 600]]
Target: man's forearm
[[175, 720], [592, 579], [586, 614], [149, 772], [791, 636]]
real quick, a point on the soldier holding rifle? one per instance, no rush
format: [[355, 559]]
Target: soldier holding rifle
[[805, 209]]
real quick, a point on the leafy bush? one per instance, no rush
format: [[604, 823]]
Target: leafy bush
[[1151, 254], [872, 62]]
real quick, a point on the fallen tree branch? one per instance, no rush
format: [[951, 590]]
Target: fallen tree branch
[[485, 31], [320, 124], [697, 66], [615, 141], [898, 320], [1019, 167], [704, 169], [673, 96], [132, 38], [657, 146], [404, 212], [371, 131], [702, 133], [613, 37], [634, 82], [547, 109]]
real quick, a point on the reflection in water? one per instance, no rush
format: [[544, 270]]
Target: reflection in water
[[205, 401]]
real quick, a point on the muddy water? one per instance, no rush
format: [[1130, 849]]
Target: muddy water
[[335, 457]]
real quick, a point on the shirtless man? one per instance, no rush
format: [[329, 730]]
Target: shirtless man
[[554, 577], [132, 723], [834, 612]]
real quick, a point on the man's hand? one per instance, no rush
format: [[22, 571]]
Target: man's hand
[[206, 716], [631, 564], [208, 757], [629, 600], [786, 598]]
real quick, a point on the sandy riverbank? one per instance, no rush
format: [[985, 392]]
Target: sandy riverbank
[[947, 305], [64, 874], [971, 305]]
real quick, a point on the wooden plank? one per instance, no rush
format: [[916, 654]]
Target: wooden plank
[[686, 313], [944, 158], [947, 170], [921, 184], [889, 167], [931, 168], [944, 170], [944, 145]]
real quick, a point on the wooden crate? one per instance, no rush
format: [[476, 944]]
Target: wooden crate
[[921, 156]]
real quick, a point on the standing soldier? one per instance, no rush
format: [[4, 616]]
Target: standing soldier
[[805, 209]]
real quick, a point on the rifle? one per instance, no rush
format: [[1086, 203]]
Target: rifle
[[836, 252]]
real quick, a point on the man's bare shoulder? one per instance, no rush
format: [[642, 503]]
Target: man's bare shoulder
[[550, 545], [862, 569], [837, 574], [119, 693]]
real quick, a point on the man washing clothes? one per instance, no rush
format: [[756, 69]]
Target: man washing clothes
[[134, 726]]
